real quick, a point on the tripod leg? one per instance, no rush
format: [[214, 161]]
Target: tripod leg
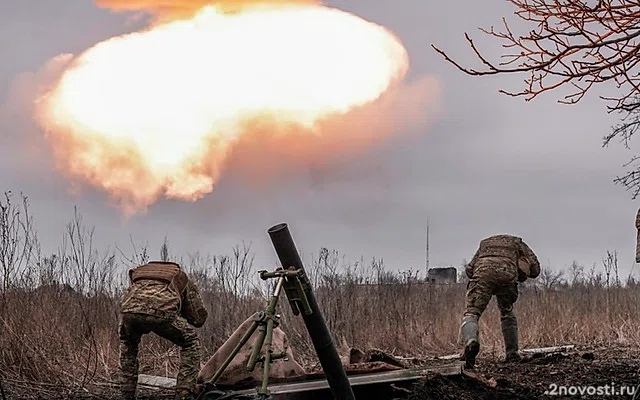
[[257, 347], [269, 314], [236, 349], [264, 389]]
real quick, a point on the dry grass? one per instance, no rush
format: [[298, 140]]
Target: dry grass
[[59, 314]]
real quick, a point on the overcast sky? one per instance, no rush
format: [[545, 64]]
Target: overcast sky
[[484, 164]]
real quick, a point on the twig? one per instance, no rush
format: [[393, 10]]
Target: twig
[[2, 390], [576, 46]]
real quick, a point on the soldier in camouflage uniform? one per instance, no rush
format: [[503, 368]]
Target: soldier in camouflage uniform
[[499, 264], [638, 236], [161, 299]]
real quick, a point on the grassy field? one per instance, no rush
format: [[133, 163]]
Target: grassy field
[[59, 313]]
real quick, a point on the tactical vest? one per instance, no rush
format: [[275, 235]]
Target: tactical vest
[[508, 247], [500, 246], [167, 272]]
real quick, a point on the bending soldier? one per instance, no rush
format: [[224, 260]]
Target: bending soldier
[[499, 264], [161, 299]]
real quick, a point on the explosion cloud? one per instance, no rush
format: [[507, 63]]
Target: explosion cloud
[[183, 9], [157, 112]]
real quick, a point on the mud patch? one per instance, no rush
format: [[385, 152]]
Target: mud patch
[[547, 359], [463, 387]]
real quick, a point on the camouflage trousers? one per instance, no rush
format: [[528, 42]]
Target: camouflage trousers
[[176, 330], [480, 291]]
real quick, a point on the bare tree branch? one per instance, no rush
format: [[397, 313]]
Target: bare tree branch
[[575, 45]]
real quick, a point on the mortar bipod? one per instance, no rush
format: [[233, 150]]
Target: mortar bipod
[[265, 322]]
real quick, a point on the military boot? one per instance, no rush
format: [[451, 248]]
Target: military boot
[[128, 390], [469, 330], [509, 326], [128, 395]]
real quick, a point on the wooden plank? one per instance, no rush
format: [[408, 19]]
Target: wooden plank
[[364, 379], [539, 350], [156, 382], [553, 349], [449, 357]]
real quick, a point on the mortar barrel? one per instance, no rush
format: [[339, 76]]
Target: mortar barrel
[[316, 326]]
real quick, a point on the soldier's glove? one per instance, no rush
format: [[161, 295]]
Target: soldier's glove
[[521, 276]]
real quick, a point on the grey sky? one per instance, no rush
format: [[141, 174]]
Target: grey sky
[[486, 164]]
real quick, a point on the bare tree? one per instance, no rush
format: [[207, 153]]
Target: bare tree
[[18, 239], [164, 250], [576, 272], [610, 264], [577, 45], [140, 254], [462, 273], [93, 273], [551, 279]]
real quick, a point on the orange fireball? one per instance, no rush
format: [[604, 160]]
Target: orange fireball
[[155, 112]]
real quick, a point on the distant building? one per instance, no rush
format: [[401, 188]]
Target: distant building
[[446, 275]]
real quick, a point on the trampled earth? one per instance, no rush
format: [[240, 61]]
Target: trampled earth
[[581, 369]]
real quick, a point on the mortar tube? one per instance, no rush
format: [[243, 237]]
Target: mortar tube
[[316, 326]]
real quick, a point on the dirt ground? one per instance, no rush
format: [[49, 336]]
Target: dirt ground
[[586, 369]]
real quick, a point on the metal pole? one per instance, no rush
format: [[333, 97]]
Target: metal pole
[[320, 335]]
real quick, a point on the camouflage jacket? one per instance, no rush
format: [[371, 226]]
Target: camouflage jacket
[[158, 298], [506, 252]]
